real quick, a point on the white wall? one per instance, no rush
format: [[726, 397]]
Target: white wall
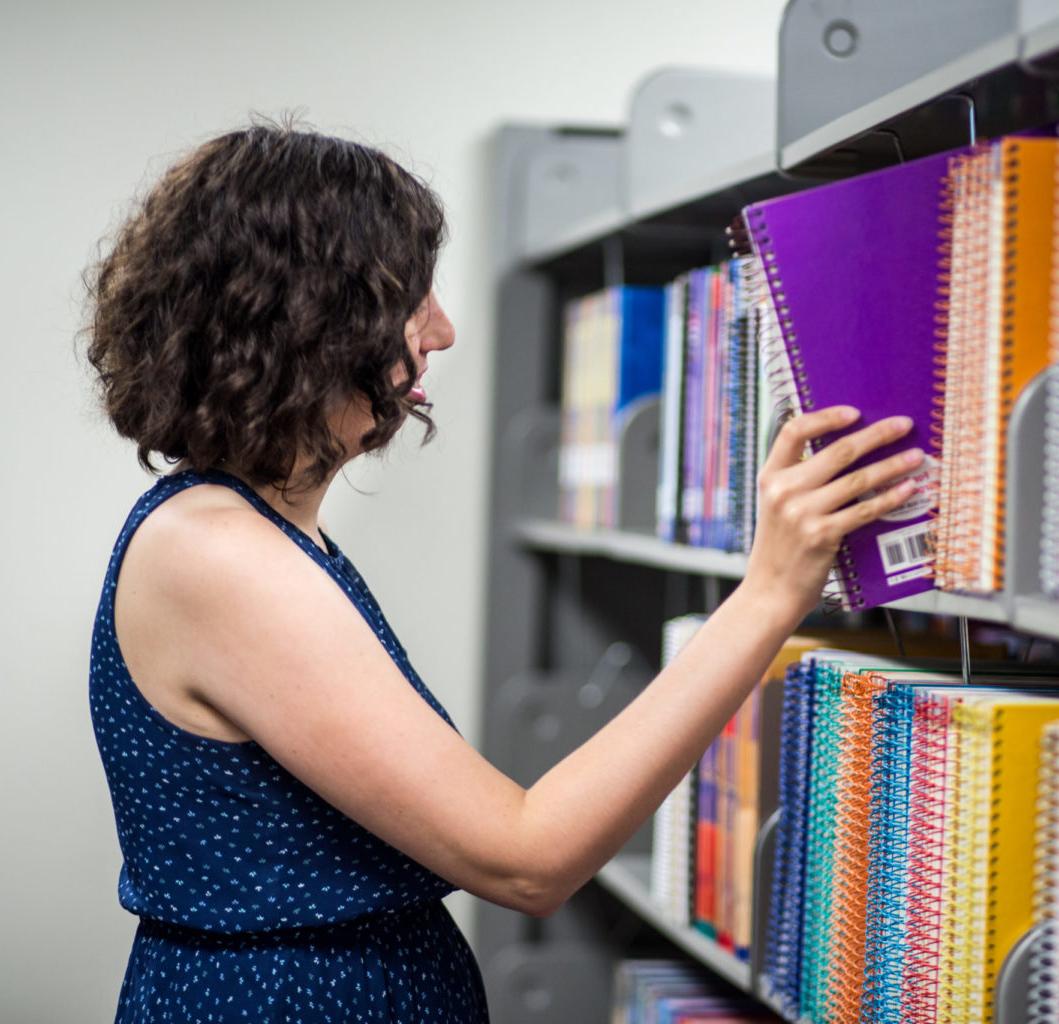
[[97, 98]]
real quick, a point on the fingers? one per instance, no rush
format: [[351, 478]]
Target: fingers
[[862, 512], [797, 432], [828, 463], [844, 489]]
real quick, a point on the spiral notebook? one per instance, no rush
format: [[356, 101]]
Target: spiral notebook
[[930, 816], [993, 870], [673, 833], [997, 216], [852, 269], [845, 973], [783, 939]]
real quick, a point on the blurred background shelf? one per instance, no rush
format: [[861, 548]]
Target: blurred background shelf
[[627, 876]]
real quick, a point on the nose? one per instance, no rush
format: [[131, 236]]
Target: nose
[[440, 334]]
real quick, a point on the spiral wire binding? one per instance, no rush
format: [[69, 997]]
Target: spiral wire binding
[[750, 465], [740, 442], [784, 370], [963, 945], [844, 979], [991, 964], [783, 942], [1043, 989], [946, 326], [1049, 563], [886, 940], [820, 845], [958, 428], [926, 864], [669, 855], [761, 327]]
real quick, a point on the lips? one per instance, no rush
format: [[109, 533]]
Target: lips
[[416, 393]]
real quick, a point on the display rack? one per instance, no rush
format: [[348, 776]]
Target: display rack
[[574, 617]]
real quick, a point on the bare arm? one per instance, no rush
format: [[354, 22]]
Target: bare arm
[[280, 651]]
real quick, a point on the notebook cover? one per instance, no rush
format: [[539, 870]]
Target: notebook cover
[[1016, 761], [1028, 176], [852, 269]]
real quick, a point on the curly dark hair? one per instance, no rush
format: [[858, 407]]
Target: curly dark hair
[[266, 279]]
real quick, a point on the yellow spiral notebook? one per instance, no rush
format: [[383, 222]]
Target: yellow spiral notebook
[[990, 899]]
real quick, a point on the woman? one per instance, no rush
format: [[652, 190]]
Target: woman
[[289, 808]]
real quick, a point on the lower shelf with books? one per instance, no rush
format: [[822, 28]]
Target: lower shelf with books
[[902, 832], [628, 877]]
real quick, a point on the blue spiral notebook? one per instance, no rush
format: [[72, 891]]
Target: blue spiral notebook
[[783, 948]]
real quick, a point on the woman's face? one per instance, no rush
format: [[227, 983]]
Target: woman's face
[[427, 330]]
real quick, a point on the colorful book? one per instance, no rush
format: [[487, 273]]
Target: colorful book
[[612, 359], [998, 214], [851, 269], [693, 484], [672, 423], [673, 860]]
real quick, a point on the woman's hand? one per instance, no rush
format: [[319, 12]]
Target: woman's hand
[[801, 519]]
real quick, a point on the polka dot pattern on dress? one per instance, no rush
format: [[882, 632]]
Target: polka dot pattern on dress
[[259, 901]]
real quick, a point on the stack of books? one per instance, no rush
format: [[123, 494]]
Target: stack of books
[[612, 360], [675, 992], [923, 289], [907, 840]]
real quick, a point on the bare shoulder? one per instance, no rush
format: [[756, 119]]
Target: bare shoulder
[[177, 560]]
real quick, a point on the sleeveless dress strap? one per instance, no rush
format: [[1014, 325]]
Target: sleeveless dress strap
[[332, 556]]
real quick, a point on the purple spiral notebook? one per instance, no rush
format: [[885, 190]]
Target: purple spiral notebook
[[852, 269]]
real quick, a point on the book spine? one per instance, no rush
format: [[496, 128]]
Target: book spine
[[927, 811], [886, 921], [788, 381], [966, 340], [946, 323], [842, 981], [668, 503], [692, 494], [784, 938], [964, 939]]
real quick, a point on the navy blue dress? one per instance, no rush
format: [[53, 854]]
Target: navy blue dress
[[258, 900]]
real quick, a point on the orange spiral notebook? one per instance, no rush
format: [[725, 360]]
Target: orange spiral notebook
[[992, 339]]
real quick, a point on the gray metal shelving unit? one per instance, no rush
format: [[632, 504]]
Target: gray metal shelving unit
[[575, 209]]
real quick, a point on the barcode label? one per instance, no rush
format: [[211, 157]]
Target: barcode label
[[902, 549]]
